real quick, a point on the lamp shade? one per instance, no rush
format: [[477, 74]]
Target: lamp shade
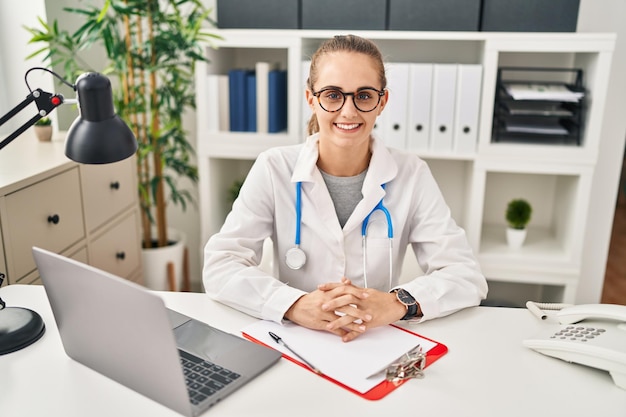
[[98, 135]]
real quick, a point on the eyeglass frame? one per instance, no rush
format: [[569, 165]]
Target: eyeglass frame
[[380, 93]]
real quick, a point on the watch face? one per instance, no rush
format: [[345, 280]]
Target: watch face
[[404, 297]]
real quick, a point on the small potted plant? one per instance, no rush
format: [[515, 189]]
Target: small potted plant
[[43, 129], [518, 213]]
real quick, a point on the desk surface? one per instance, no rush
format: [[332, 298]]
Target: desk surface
[[487, 372]]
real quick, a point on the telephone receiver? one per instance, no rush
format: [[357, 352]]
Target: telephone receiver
[[590, 334]]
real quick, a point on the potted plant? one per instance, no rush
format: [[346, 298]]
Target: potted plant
[[151, 47], [43, 129], [518, 213]]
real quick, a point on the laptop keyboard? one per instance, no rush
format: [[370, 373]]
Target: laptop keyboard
[[204, 378]]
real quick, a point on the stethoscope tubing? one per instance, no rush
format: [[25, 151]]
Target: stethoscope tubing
[[295, 257], [298, 211]]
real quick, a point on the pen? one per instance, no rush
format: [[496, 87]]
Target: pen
[[280, 341]]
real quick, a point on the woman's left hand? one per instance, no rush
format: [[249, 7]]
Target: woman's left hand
[[383, 307]]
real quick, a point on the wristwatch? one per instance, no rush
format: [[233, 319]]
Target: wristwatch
[[408, 300]]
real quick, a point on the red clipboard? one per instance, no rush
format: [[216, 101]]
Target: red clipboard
[[385, 387]]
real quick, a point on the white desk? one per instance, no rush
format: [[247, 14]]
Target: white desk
[[487, 372]]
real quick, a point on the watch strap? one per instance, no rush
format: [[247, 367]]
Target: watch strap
[[411, 312]]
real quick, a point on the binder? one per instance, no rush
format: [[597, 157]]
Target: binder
[[442, 106], [251, 102], [380, 125], [224, 104], [467, 108], [420, 97], [213, 103], [218, 118], [238, 102], [277, 110], [306, 110], [395, 125], [262, 70], [358, 359]]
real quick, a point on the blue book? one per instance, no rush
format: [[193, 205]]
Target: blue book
[[277, 101], [237, 99], [251, 102]]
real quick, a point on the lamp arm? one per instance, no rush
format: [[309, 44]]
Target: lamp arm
[[46, 102]]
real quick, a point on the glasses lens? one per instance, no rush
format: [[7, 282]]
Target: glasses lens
[[366, 100], [331, 100]]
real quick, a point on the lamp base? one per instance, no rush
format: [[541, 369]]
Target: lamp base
[[19, 327]]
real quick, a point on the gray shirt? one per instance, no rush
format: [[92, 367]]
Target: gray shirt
[[345, 193]]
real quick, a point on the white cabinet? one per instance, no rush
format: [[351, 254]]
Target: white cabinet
[[46, 214], [107, 190], [87, 212], [554, 177]]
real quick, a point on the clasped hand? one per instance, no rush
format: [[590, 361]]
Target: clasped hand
[[345, 309]]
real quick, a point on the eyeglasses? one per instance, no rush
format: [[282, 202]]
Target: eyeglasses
[[332, 100]]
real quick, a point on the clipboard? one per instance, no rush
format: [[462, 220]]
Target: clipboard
[[380, 390]]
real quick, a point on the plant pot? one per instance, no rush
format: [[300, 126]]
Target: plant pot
[[43, 133], [515, 237], [156, 260]]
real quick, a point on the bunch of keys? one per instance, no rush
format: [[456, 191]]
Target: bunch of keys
[[410, 365]]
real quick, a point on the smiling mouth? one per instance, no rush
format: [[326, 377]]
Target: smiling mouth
[[347, 126]]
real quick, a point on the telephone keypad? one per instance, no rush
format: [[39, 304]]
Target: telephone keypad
[[578, 333]]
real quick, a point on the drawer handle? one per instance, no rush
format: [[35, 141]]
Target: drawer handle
[[120, 255], [54, 219], [115, 185]]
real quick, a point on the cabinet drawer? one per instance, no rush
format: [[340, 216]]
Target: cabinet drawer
[[118, 250], [48, 214], [34, 277], [107, 190]]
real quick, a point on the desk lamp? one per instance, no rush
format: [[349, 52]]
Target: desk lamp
[[97, 136]]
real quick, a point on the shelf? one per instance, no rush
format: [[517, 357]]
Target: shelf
[[515, 294], [240, 145], [555, 177], [541, 247]]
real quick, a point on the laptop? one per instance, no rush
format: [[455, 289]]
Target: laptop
[[125, 332]]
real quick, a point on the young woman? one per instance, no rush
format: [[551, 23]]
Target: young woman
[[340, 210]]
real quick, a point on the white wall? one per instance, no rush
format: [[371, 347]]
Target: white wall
[[14, 49]]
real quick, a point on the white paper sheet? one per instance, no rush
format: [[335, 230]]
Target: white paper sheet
[[350, 363]]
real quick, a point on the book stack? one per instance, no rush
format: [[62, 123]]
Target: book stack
[[248, 100]]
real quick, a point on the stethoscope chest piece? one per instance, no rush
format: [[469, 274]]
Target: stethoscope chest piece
[[295, 258]]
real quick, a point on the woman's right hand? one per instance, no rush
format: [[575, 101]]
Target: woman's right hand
[[308, 312]]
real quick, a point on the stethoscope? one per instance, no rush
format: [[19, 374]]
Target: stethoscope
[[295, 258]]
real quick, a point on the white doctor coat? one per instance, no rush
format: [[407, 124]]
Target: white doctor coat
[[266, 207]]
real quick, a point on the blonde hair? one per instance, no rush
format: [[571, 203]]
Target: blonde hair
[[344, 43]]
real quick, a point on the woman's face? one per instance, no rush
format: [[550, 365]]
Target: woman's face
[[348, 72]]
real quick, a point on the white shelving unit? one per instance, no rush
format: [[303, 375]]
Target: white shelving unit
[[556, 179]]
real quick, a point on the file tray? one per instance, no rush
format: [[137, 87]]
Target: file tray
[[539, 105]]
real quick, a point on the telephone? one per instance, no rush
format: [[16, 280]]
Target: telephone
[[591, 334]]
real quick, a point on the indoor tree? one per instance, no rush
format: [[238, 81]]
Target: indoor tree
[[151, 48]]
